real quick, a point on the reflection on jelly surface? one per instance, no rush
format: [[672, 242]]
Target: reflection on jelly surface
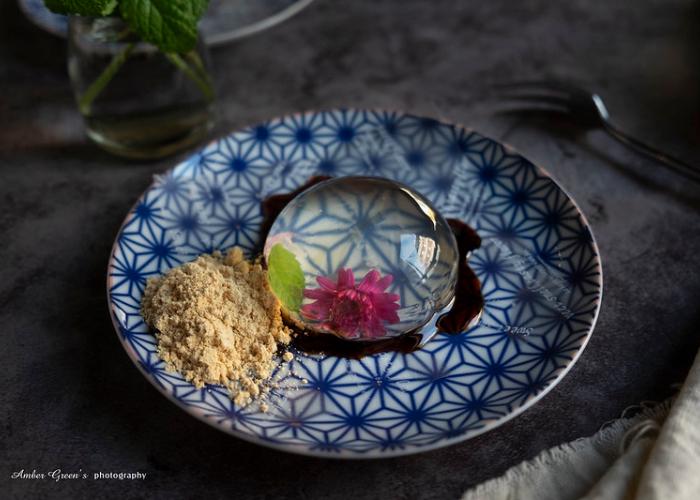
[[377, 259]]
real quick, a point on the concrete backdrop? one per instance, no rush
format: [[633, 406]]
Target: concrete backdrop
[[71, 398]]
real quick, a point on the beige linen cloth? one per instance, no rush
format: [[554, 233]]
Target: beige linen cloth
[[654, 455]]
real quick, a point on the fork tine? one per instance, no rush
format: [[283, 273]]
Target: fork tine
[[533, 112], [535, 97], [570, 90], [551, 85]]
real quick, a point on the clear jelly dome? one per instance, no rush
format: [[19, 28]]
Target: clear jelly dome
[[377, 259]]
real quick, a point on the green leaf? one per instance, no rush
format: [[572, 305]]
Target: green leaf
[[94, 8], [286, 277], [171, 25]]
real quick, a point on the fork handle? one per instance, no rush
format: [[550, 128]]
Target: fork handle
[[673, 163]]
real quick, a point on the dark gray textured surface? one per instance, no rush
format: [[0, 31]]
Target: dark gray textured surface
[[71, 398]]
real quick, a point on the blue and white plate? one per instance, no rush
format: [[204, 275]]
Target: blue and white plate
[[539, 268], [226, 20]]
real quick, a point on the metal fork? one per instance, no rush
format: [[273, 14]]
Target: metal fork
[[589, 108]]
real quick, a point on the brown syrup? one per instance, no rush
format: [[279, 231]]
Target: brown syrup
[[330, 345], [468, 299]]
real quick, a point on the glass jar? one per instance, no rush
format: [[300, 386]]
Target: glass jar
[[137, 101]]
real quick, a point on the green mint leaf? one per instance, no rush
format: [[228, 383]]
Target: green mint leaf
[[199, 7], [94, 8], [286, 277], [170, 25]]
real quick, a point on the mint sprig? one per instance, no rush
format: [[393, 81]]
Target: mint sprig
[[94, 8], [286, 277], [170, 25]]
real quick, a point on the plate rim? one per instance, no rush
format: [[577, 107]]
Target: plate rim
[[216, 40], [371, 455], [213, 40]]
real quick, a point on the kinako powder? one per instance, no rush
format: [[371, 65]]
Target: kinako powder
[[217, 322]]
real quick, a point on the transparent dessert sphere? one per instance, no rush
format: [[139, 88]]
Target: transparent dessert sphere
[[362, 258]]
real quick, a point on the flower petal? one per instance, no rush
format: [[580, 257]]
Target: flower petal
[[392, 297], [374, 328], [388, 315], [346, 279], [386, 305], [316, 310], [326, 283], [384, 283], [371, 277], [350, 310], [318, 293], [386, 300]]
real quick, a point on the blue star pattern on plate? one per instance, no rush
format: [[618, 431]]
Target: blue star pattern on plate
[[538, 265]]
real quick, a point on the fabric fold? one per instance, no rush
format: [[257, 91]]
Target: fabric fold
[[654, 455]]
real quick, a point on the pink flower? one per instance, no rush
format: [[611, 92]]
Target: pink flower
[[353, 311]]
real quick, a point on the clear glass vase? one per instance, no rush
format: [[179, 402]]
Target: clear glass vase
[[137, 101]]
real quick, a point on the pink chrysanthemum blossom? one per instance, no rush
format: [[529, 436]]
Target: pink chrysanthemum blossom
[[353, 311]]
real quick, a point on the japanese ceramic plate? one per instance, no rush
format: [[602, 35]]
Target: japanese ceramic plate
[[538, 264], [225, 21]]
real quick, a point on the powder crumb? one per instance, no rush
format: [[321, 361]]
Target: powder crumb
[[217, 322], [287, 356], [264, 407]]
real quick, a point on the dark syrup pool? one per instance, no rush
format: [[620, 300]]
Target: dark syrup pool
[[467, 305]]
